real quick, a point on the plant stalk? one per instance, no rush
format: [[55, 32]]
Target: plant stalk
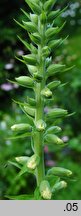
[[38, 138]]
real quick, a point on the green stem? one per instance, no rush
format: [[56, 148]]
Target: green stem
[[38, 137]]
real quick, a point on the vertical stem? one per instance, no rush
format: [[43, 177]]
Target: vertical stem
[[38, 137]]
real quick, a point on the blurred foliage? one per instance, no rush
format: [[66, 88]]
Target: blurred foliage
[[68, 96]]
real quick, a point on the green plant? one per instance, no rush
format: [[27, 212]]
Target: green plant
[[42, 32]]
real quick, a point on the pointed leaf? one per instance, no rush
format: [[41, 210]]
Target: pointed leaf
[[29, 118], [20, 197], [27, 45], [18, 23], [25, 13]]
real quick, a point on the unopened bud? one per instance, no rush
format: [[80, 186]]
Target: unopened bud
[[22, 159], [40, 125], [51, 138], [59, 185], [26, 81], [59, 171], [33, 162], [21, 127], [46, 92], [57, 113], [45, 190]]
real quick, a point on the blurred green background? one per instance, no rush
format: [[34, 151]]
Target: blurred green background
[[68, 97]]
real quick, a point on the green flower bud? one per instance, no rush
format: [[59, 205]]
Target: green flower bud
[[50, 32], [58, 186], [51, 138], [54, 84], [53, 43], [22, 160], [46, 92], [59, 171], [21, 127], [43, 17], [33, 162], [38, 77], [54, 68], [34, 6], [29, 110], [36, 38], [46, 51], [30, 59], [40, 125], [53, 129], [49, 4], [34, 18], [30, 26], [45, 190], [32, 69], [57, 113], [52, 15], [48, 61], [31, 101], [25, 81]]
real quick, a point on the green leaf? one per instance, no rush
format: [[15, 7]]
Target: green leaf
[[37, 195], [20, 136], [27, 45], [14, 164], [20, 59], [13, 82], [25, 13], [20, 197], [69, 68], [18, 23], [29, 118], [60, 28], [53, 14]]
